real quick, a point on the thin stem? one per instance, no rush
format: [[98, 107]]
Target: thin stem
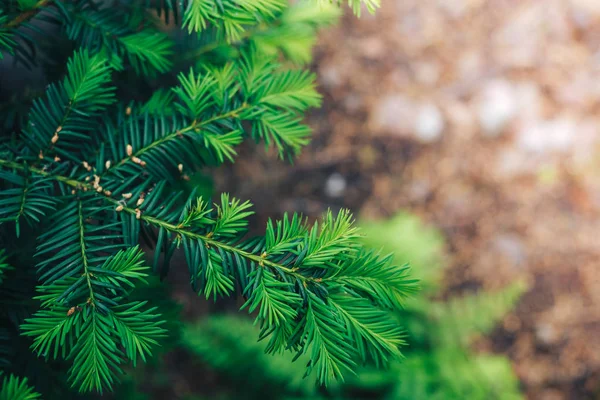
[[173, 135], [212, 242], [84, 259], [158, 222], [23, 199], [27, 14], [59, 178], [48, 149]]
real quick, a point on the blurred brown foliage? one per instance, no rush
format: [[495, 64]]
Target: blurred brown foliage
[[481, 116]]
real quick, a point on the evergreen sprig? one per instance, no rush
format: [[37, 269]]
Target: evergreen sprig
[[16, 388], [438, 364], [93, 170], [307, 301], [4, 266]]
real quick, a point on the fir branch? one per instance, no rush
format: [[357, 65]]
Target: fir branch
[[84, 258], [356, 5], [198, 52], [95, 355], [50, 328], [367, 273], [291, 33], [4, 265], [148, 51], [284, 235], [376, 334], [331, 353], [329, 245], [26, 14], [323, 324], [194, 127], [14, 388], [329, 241], [270, 108], [174, 228], [111, 177], [26, 198], [232, 16], [60, 120], [276, 307], [93, 333], [139, 329], [335, 237]]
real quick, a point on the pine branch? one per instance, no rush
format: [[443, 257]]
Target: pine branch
[[4, 265], [367, 274], [376, 334], [270, 107], [331, 353], [60, 120], [26, 15], [96, 180], [102, 30], [7, 43], [276, 306], [91, 334], [295, 292], [24, 197], [13, 388], [95, 359], [233, 16], [291, 32], [356, 5], [177, 229], [139, 329]]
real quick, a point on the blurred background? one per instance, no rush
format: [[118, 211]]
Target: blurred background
[[469, 129]]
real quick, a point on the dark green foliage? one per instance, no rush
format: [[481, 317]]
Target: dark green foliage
[[437, 363], [257, 375], [13, 388], [100, 163]]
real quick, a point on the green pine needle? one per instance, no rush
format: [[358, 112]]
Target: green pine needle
[[102, 163], [14, 388]]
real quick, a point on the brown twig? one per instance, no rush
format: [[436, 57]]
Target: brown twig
[[27, 14]]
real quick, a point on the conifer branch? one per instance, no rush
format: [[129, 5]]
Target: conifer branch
[[209, 240], [26, 15], [97, 180], [13, 387], [84, 258], [207, 48], [59, 120], [195, 126], [308, 297]]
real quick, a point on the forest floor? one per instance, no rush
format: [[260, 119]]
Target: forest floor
[[482, 117]]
